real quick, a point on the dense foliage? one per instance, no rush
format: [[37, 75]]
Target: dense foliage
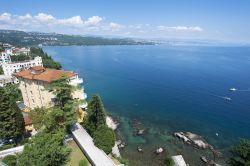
[[10, 160], [11, 119], [104, 138], [241, 154], [45, 149], [95, 124], [48, 62], [52, 39], [96, 114], [38, 116], [21, 57], [13, 92], [168, 161], [64, 101]]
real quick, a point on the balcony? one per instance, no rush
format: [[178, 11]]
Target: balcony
[[76, 81]]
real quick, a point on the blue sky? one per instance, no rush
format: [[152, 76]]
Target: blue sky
[[226, 20]]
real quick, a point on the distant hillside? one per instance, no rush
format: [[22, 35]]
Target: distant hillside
[[52, 39]]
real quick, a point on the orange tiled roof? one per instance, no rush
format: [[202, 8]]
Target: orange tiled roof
[[43, 74]]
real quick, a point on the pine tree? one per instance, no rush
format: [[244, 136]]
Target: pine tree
[[241, 154], [11, 119], [96, 114], [45, 149], [64, 101]]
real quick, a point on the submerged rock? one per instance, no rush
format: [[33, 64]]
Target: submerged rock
[[140, 131], [121, 145], [159, 150], [139, 149], [204, 159], [111, 123]]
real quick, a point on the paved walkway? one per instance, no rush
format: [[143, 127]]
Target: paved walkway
[[11, 151], [96, 156]]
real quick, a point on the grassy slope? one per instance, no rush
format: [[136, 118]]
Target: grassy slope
[[76, 154]]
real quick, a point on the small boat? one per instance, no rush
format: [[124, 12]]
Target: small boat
[[233, 89], [227, 98]]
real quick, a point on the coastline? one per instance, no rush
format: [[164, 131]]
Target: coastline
[[113, 125], [163, 104]]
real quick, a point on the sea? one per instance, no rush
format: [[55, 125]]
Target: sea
[[166, 89]]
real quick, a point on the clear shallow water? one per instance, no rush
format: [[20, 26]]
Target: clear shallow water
[[167, 89]]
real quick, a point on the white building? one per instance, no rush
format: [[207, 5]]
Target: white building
[[4, 80], [4, 58], [19, 51], [11, 67]]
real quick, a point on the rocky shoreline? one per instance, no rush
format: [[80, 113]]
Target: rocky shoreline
[[198, 142]]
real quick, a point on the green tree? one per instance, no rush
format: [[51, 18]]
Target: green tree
[[1, 70], [45, 149], [241, 154], [13, 91], [10, 160], [104, 138], [96, 114], [11, 119], [48, 61], [64, 101], [38, 116], [168, 161]]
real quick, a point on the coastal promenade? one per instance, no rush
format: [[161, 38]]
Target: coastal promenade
[[96, 156]]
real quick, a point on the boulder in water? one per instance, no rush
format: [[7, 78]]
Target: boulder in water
[[139, 149], [159, 150]]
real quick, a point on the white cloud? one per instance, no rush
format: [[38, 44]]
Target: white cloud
[[180, 28], [115, 27], [94, 20], [44, 18], [93, 25], [72, 21], [5, 17]]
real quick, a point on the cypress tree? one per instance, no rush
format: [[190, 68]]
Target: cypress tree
[[96, 110]]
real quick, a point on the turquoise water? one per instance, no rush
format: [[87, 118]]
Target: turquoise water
[[167, 89]]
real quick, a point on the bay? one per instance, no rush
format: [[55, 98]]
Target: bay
[[165, 89]]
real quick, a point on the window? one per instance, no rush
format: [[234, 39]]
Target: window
[[33, 101], [31, 92]]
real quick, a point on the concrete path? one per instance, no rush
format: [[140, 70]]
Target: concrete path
[[96, 156], [11, 151]]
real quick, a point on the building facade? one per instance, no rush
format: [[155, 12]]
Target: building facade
[[20, 51], [5, 58], [33, 83], [11, 67]]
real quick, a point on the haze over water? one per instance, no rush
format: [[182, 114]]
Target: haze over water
[[167, 89]]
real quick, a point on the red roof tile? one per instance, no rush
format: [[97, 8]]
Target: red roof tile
[[43, 74]]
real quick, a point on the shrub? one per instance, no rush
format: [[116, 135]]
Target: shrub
[[168, 161], [10, 160], [104, 138], [241, 154], [83, 163], [122, 160]]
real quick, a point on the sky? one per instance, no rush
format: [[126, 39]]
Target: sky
[[223, 20]]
